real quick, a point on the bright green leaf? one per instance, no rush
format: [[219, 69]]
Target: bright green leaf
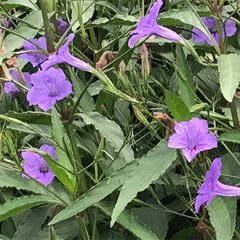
[[228, 67], [177, 107], [222, 212]]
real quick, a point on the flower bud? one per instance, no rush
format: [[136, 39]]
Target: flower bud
[[145, 61]]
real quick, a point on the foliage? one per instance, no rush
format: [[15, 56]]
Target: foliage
[[115, 175]]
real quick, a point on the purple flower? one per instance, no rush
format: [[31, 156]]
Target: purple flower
[[147, 26], [62, 26], [35, 58], [63, 56], [48, 87], [10, 87], [36, 167], [200, 37], [192, 137], [212, 188]]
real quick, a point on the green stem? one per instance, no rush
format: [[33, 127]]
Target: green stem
[[83, 228], [47, 26], [234, 114]]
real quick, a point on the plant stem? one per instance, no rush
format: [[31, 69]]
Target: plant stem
[[234, 114], [83, 229], [47, 26]]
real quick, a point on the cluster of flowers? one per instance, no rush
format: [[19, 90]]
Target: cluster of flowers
[[49, 84], [193, 137]]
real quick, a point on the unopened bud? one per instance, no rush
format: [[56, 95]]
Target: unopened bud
[[122, 67], [145, 61]]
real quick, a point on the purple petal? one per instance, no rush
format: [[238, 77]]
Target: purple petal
[[177, 141], [230, 27], [64, 56], [190, 154], [46, 178], [34, 58], [199, 36], [134, 38], [207, 142], [200, 200], [49, 149], [153, 13], [227, 190], [166, 33], [62, 25]]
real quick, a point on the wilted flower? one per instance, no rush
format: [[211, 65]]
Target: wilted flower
[[63, 56], [200, 37], [48, 87], [35, 58], [212, 188], [62, 25], [36, 167], [10, 87], [192, 137], [147, 26]]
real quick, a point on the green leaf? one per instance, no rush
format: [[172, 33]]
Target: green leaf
[[59, 169], [228, 67], [96, 194], [110, 131], [17, 205], [86, 103], [232, 136], [222, 212], [13, 179], [31, 225], [151, 217], [57, 127], [177, 107], [180, 16], [28, 29], [25, 3], [130, 221], [31, 117], [148, 170], [185, 79]]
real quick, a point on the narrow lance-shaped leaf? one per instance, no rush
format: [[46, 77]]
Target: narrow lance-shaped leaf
[[185, 78], [148, 170]]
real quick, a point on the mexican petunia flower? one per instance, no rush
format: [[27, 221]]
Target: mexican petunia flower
[[36, 167], [62, 25], [147, 26], [10, 87], [63, 56], [212, 188], [200, 37], [35, 58], [48, 87], [192, 137]]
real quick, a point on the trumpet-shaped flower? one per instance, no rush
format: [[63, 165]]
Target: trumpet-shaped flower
[[192, 137], [63, 56], [36, 167], [10, 87], [200, 37], [48, 87], [147, 26], [35, 58], [212, 188]]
